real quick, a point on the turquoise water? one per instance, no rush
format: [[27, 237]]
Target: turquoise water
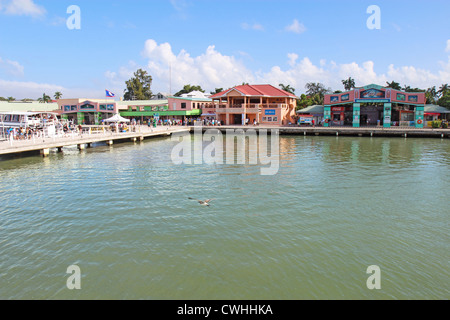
[[122, 214]]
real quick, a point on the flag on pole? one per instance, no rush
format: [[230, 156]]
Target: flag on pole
[[109, 94]]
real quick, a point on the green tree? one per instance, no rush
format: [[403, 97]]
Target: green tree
[[304, 102], [307, 101], [317, 92], [349, 84], [217, 90], [414, 90], [139, 87], [443, 90], [45, 98], [444, 101], [287, 88], [188, 89], [431, 95], [57, 95], [394, 85], [3, 99], [11, 99]]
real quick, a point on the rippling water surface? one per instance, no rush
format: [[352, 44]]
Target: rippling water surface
[[122, 214]]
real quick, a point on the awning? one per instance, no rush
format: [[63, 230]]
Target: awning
[[116, 118]]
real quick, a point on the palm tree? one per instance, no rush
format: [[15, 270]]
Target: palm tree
[[57, 95], [443, 89], [45, 98], [349, 84], [287, 88], [394, 85], [431, 94]]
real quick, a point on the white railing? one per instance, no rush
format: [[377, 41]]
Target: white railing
[[42, 136]]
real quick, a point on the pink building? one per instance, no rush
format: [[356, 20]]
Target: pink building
[[264, 104], [89, 112]]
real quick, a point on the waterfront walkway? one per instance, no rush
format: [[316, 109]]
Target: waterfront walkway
[[98, 135], [86, 139]]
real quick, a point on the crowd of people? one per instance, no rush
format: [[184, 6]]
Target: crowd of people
[[27, 133], [22, 133]]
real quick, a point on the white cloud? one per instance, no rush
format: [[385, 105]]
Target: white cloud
[[12, 68], [397, 27], [448, 46], [181, 7], [296, 27], [213, 69], [255, 26], [22, 8], [292, 59], [210, 69], [34, 90]]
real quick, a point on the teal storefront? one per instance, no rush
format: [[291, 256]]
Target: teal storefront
[[376, 105]]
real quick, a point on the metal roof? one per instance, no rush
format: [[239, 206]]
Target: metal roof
[[432, 108], [315, 109], [27, 106]]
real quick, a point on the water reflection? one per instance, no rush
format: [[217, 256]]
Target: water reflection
[[337, 205]]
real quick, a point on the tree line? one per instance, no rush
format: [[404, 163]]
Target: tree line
[[44, 99], [315, 92], [138, 88]]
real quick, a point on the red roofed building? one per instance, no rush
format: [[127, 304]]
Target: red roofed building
[[266, 104]]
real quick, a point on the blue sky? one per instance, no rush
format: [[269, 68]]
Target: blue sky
[[219, 44]]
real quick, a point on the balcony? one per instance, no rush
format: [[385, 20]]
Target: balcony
[[243, 108]]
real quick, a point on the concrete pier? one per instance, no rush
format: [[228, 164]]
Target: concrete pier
[[345, 131], [43, 146]]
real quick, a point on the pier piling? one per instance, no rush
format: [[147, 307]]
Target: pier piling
[[45, 152]]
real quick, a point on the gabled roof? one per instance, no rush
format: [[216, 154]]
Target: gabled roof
[[257, 90], [371, 86], [195, 95]]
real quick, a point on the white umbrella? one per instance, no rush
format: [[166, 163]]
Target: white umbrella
[[117, 118]]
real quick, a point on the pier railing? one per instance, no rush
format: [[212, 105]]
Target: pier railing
[[42, 137]]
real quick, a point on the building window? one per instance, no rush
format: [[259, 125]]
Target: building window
[[87, 106], [102, 107], [73, 108], [183, 105], [66, 108]]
